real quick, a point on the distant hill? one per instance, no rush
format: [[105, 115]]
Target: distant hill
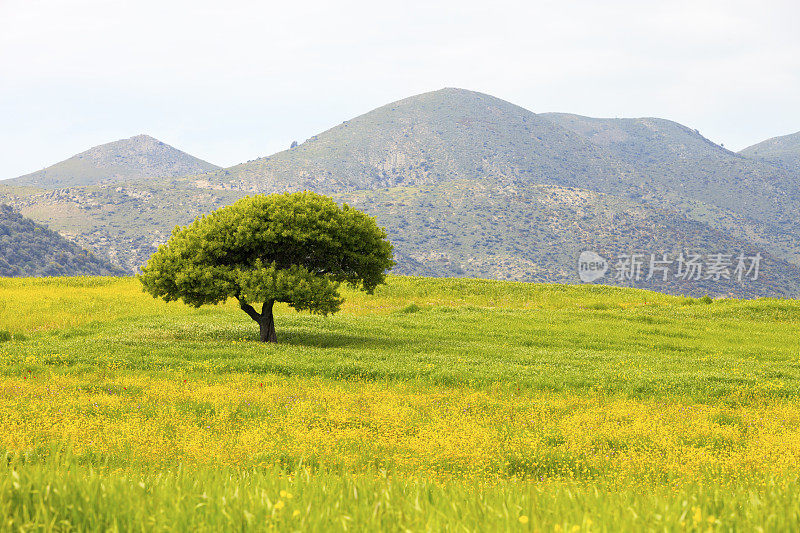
[[782, 151], [141, 156], [30, 249], [124, 222]]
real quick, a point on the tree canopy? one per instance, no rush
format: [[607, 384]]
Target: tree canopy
[[295, 248]]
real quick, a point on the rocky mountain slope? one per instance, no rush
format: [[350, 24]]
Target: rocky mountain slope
[[455, 228], [429, 138], [782, 151]]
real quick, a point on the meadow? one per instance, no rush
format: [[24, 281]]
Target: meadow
[[435, 404]]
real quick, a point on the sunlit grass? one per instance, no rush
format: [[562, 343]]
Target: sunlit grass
[[437, 432]]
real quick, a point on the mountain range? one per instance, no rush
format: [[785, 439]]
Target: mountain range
[[466, 185]]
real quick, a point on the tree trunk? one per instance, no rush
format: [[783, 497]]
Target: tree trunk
[[267, 323]]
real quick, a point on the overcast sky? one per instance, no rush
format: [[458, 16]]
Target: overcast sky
[[233, 80]]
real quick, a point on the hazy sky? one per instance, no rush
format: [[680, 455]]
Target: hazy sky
[[232, 80]]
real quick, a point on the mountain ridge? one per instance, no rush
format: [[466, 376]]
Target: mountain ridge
[[398, 143]]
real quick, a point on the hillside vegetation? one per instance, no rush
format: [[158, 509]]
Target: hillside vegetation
[[783, 151], [536, 233], [456, 228], [672, 166], [434, 404], [30, 249], [126, 222], [425, 139]]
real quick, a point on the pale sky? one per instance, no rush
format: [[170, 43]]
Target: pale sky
[[233, 80]]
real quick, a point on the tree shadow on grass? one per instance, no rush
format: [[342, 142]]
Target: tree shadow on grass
[[291, 335], [333, 339]]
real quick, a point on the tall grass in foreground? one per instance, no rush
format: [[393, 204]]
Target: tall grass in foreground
[[64, 493]]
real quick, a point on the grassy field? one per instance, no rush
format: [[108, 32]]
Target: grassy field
[[444, 404]]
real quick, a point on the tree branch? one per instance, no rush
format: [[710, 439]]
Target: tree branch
[[252, 313]]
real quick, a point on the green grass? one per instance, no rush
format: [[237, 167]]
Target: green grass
[[433, 405]]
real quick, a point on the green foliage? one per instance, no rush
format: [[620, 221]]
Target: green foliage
[[294, 248]]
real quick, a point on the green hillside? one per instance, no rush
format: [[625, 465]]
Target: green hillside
[[536, 233], [30, 249], [141, 156], [782, 151], [124, 222]]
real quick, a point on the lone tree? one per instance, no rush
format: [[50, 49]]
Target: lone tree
[[294, 247]]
